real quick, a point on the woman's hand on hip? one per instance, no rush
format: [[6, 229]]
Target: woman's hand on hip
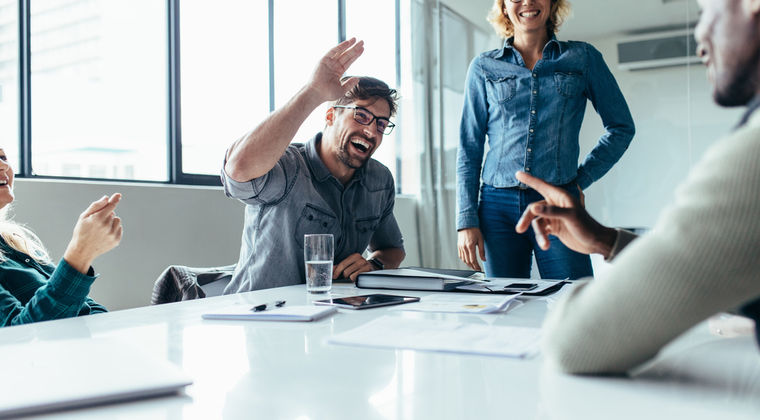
[[98, 230], [469, 246]]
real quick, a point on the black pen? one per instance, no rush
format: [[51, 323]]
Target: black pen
[[270, 305]]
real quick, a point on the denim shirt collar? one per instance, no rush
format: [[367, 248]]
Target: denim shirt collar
[[318, 168], [508, 45]]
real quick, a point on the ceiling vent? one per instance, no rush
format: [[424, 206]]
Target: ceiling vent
[[657, 49]]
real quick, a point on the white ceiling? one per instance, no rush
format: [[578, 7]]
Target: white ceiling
[[598, 18]]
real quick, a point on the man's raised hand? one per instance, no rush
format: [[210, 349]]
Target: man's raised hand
[[326, 80]]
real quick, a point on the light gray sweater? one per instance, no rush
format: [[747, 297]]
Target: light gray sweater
[[702, 257]]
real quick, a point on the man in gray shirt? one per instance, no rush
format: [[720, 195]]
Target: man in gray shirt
[[327, 185]]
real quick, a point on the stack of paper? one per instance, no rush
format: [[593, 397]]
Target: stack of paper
[[442, 336]]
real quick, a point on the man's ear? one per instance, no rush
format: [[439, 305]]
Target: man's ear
[[330, 116]]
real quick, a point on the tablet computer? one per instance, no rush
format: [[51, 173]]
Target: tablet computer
[[367, 301]]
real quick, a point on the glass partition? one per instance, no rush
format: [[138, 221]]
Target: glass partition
[[649, 47]]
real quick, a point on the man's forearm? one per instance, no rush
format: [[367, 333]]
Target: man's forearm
[[257, 152], [390, 257]]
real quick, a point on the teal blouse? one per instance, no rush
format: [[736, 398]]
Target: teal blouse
[[33, 292]]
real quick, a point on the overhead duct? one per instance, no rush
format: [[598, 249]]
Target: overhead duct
[[657, 49]]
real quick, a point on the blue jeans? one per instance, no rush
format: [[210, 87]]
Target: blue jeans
[[508, 253]]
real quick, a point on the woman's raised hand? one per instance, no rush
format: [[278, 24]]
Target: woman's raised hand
[[98, 230]]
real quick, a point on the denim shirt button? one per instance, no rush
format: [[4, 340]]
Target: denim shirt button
[[527, 169], [531, 130], [535, 75], [533, 111], [530, 150], [26, 260], [311, 217], [535, 92], [324, 224]]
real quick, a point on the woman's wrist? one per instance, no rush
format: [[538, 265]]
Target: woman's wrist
[[77, 260]]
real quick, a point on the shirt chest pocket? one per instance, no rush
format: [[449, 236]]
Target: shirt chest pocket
[[314, 220], [365, 228], [568, 84], [500, 89]]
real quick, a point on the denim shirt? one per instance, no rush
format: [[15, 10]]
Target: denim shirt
[[532, 120], [300, 196]]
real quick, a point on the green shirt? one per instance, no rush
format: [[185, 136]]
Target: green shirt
[[33, 292]]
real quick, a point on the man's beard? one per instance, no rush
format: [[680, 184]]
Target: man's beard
[[349, 161], [741, 85], [345, 157]]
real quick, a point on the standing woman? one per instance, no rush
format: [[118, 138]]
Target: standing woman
[[34, 289], [529, 97]]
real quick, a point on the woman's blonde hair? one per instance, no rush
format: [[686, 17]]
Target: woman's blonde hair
[[500, 21], [21, 239]]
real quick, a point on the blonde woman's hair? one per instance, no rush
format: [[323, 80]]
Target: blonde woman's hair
[[504, 28], [21, 239]]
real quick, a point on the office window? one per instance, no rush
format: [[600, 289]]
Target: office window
[[303, 33], [98, 77], [225, 78], [9, 99], [375, 23], [99, 99]]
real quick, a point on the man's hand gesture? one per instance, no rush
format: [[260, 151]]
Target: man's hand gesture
[[326, 81], [562, 215]]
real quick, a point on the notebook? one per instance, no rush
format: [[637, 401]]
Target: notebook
[[410, 279], [44, 376], [285, 313]]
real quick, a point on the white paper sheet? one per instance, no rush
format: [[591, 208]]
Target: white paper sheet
[[442, 336], [472, 304]]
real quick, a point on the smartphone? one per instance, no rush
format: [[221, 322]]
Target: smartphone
[[367, 301], [520, 287]]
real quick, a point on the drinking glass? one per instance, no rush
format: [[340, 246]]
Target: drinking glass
[[318, 257]]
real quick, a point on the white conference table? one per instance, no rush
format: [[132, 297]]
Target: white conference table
[[279, 370]]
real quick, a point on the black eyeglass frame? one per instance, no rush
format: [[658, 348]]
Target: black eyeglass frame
[[388, 128]]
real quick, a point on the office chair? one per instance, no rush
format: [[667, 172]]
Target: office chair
[[179, 282]]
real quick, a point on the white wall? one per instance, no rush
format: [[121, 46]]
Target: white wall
[[163, 225]]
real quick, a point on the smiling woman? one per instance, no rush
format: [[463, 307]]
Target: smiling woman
[[529, 97], [32, 288]]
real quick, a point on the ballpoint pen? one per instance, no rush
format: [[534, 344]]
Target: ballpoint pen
[[269, 305]]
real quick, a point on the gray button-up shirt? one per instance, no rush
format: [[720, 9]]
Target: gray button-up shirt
[[299, 196]]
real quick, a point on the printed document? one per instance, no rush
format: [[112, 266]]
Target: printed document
[[471, 303], [396, 332]]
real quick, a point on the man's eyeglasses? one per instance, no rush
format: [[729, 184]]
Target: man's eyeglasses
[[364, 117]]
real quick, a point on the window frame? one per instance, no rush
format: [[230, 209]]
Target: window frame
[[175, 173]]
